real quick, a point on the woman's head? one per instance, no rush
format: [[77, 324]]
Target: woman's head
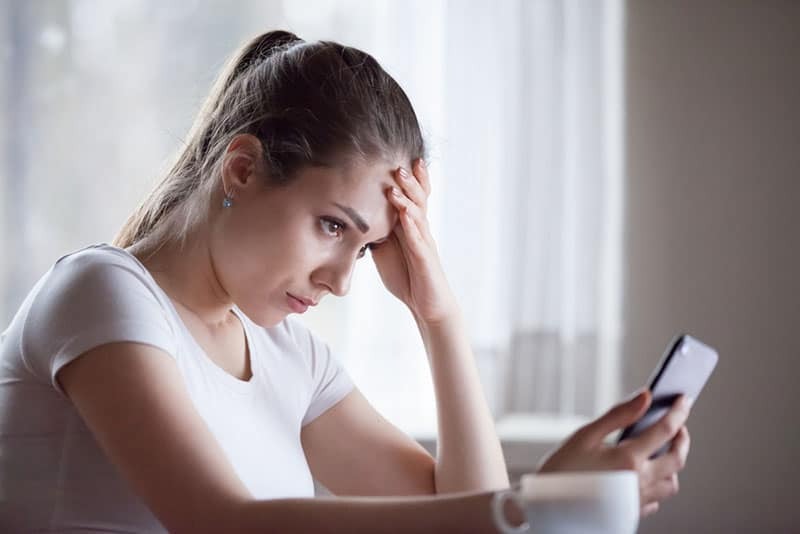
[[301, 239], [317, 104], [289, 124]]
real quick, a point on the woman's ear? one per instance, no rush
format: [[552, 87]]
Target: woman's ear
[[243, 164]]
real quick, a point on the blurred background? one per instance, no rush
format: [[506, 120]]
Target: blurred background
[[605, 175]]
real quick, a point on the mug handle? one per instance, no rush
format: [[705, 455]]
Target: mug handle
[[498, 503]]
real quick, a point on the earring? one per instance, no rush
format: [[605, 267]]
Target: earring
[[227, 202]]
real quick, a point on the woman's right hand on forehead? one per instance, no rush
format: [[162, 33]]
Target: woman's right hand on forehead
[[408, 263]]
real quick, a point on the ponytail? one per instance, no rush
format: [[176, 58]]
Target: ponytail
[[309, 104]]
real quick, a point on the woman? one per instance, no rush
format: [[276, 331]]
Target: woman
[[158, 383]]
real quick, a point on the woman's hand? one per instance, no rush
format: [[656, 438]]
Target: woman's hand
[[658, 478], [408, 262]]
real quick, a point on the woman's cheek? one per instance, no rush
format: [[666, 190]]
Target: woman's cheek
[[312, 250]]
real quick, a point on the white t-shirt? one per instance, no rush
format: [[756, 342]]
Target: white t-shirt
[[54, 476]]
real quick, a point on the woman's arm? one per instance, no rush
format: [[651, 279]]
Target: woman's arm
[[457, 513], [133, 400], [353, 450], [469, 456]]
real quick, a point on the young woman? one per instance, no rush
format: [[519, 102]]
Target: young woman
[[158, 383]]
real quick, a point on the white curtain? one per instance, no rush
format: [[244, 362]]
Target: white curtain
[[520, 101]]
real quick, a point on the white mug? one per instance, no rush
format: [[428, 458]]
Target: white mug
[[596, 502]]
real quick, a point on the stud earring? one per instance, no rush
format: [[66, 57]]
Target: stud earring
[[227, 202]]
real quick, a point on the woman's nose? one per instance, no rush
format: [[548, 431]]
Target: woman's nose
[[337, 275]]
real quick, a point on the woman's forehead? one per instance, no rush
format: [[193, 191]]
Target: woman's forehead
[[352, 179], [358, 191]]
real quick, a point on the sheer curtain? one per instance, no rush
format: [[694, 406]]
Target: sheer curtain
[[520, 102]]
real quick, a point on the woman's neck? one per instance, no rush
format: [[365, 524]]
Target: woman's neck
[[185, 271]]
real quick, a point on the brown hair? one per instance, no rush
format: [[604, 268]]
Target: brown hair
[[310, 104]]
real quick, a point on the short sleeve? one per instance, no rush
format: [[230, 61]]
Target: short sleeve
[[88, 299], [330, 380]]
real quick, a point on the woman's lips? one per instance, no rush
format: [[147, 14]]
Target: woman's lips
[[295, 304]]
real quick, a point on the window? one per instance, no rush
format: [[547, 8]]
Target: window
[[520, 102]]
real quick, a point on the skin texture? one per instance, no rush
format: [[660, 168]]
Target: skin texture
[[290, 239]]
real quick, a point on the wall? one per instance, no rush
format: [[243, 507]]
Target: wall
[[713, 245]]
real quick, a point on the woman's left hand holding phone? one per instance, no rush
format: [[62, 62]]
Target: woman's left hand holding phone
[[586, 449]]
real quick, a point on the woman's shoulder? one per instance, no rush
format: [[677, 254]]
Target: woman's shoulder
[[95, 285], [96, 295], [97, 276], [96, 256], [99, 270]]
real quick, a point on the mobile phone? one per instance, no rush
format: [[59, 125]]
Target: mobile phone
[[684, 369]]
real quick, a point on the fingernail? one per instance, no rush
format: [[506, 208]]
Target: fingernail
[[688, 401], [395, 191], [636, 395], [422, 163], [403, 173]]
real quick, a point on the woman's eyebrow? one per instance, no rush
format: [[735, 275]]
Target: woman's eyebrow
[[355, 217]]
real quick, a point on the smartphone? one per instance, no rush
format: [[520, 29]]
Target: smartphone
[[684, 369]]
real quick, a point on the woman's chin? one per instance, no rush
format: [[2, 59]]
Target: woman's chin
[[266, 318]]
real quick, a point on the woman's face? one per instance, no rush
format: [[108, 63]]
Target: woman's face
[[302, 239]]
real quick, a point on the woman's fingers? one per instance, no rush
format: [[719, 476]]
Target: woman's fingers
[[412, 213], [675, 459], [619, 416], [403, 203], [412, 230], [421, 172], [649, 509], [652, 439], [409, 230], [661, 489], [663, 471], [412, 188]]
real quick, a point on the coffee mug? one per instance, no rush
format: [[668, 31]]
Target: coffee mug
[[596, 502]]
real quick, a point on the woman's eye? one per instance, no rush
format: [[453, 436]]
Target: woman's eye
[[331, 227], [334, 228]]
